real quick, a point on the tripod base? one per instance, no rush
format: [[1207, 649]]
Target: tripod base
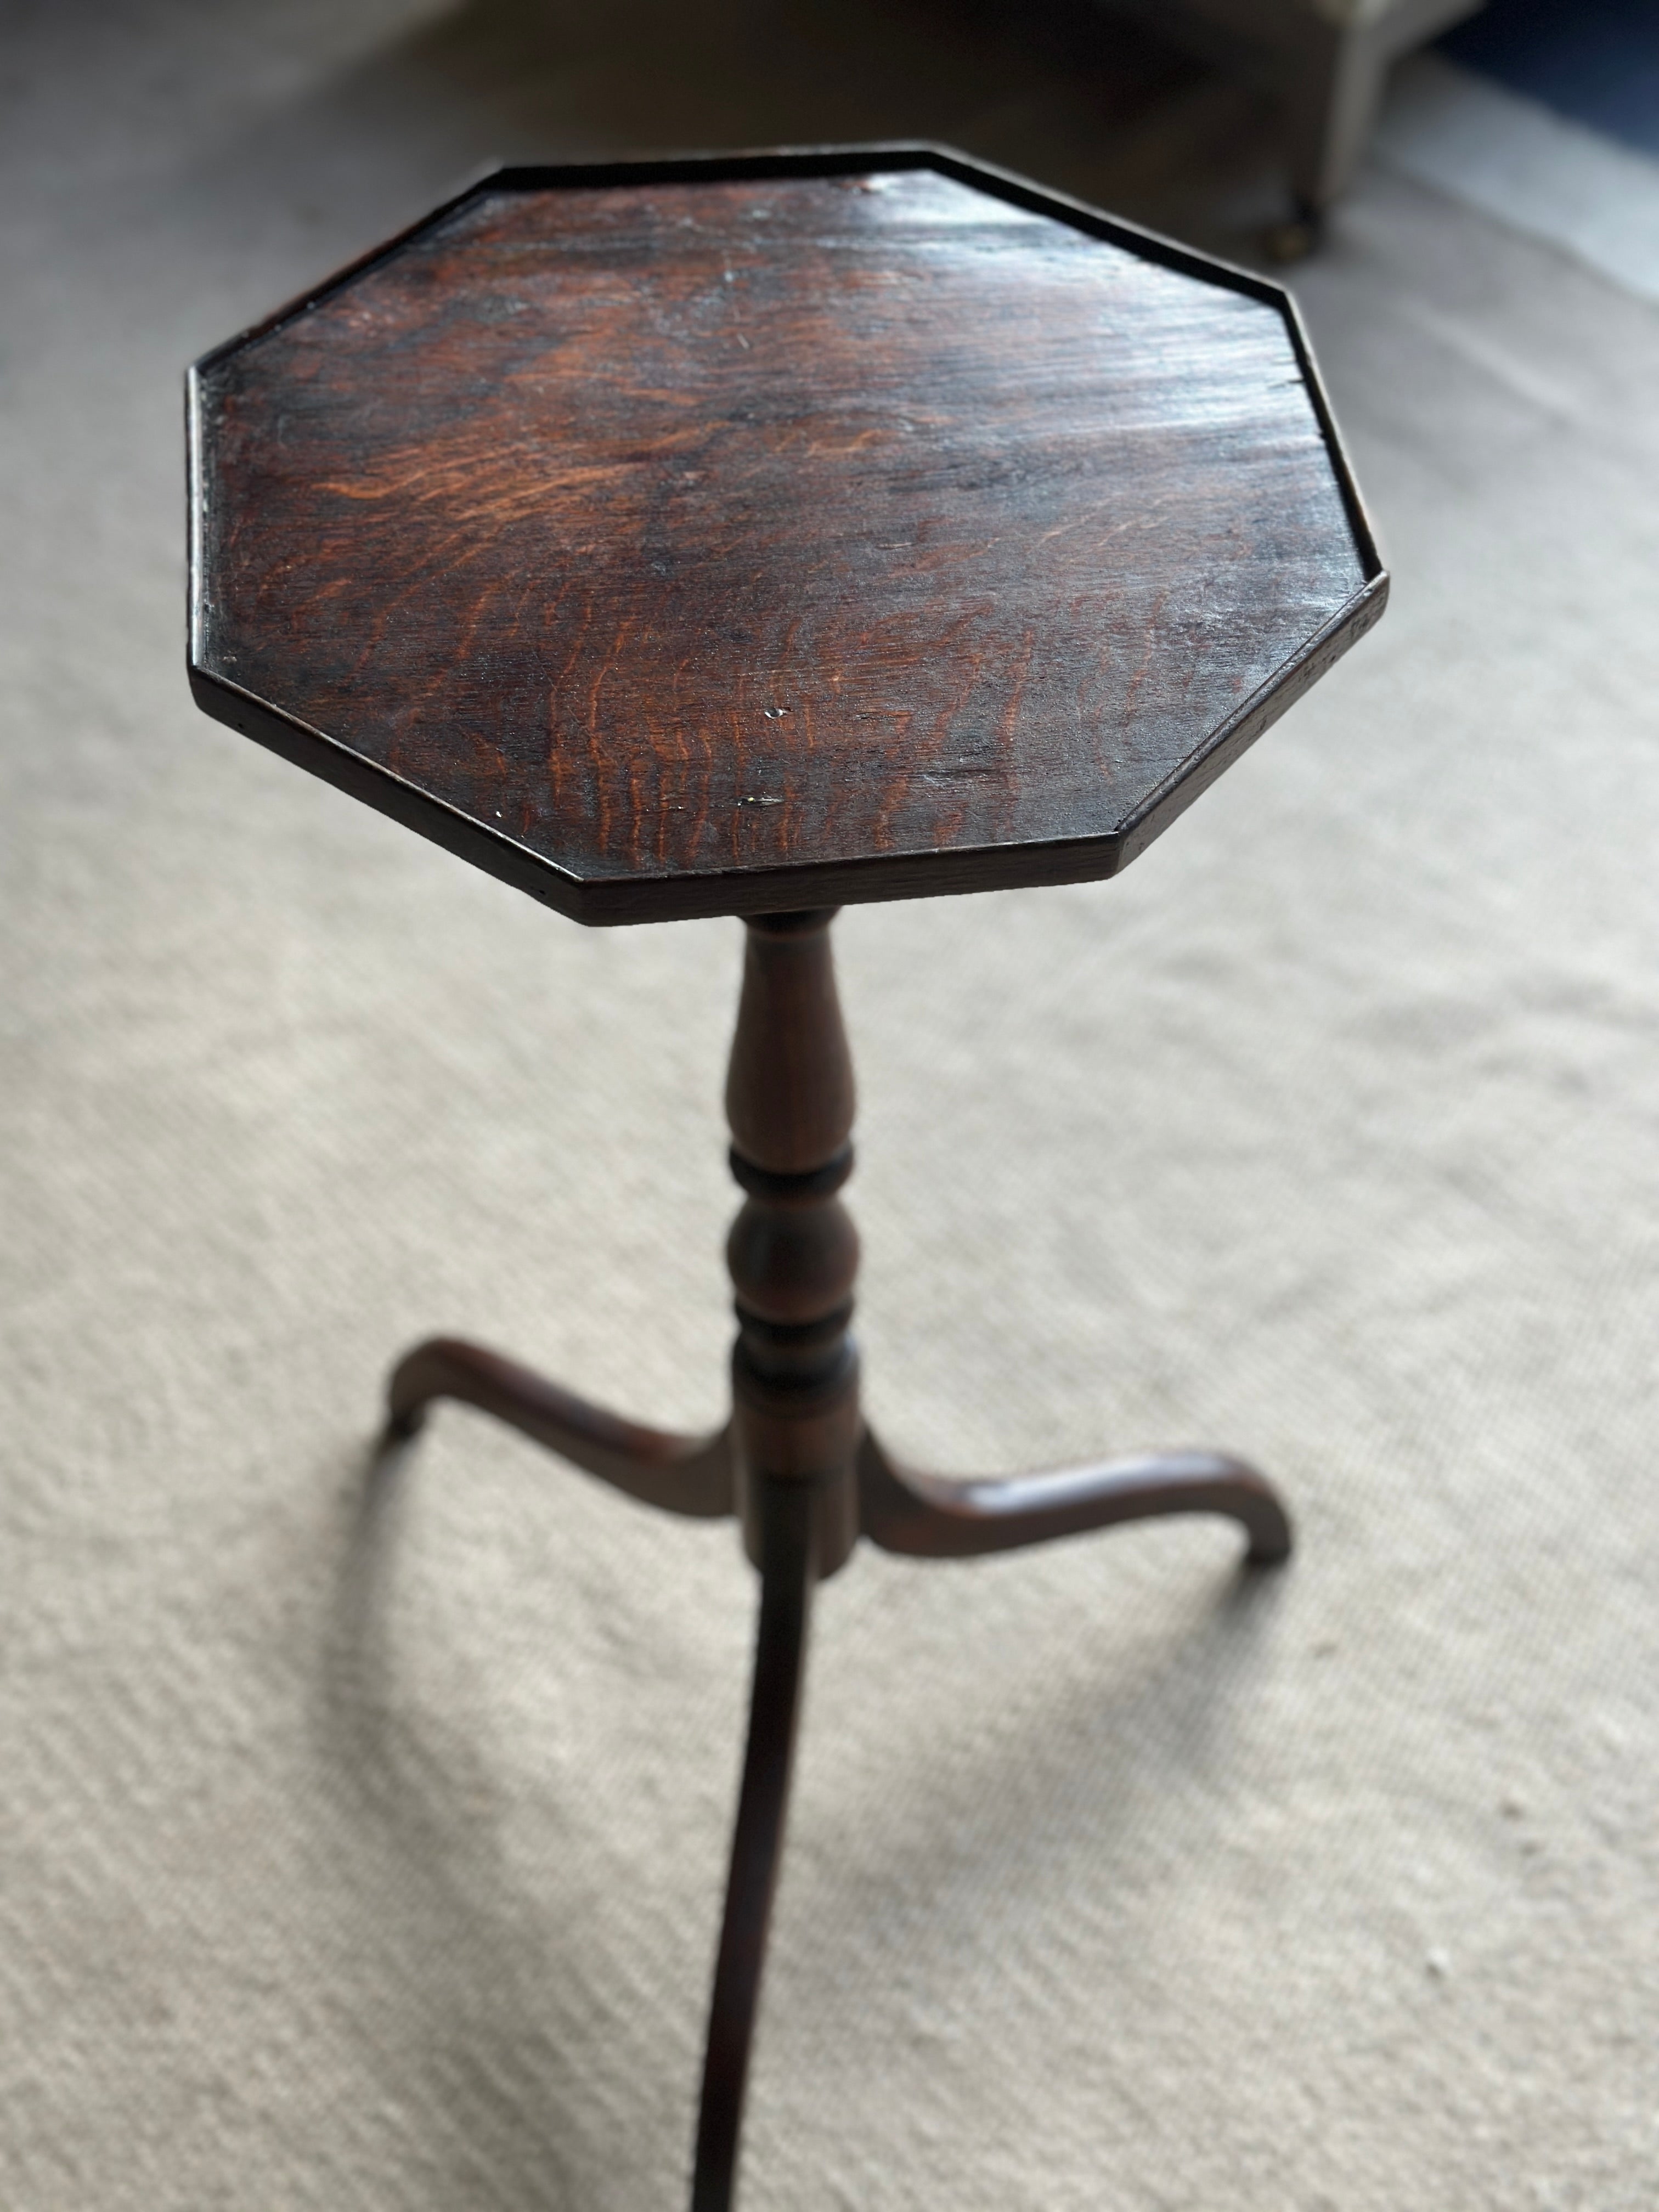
[[927, 1516], [796, 1462]]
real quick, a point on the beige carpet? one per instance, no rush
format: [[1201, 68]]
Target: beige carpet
[[370, 1857]]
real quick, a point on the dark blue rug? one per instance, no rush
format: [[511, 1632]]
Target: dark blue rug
[[1596, 61]]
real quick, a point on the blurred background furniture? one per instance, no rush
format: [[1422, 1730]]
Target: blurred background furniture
[[1326, 61]]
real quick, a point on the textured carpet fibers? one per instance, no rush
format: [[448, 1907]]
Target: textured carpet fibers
[[362, 1848]]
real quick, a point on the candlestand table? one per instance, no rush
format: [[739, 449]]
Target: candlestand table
[[748, 535]]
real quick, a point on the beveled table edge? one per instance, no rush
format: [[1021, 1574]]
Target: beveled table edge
[[615, 901]]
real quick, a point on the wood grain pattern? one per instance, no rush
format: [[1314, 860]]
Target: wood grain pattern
[[661, 543]]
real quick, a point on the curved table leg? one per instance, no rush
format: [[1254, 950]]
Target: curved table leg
[[935, 1517], [686, 1475], [786, 1576]]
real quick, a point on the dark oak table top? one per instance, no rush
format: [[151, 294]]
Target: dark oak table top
[[713, 537]]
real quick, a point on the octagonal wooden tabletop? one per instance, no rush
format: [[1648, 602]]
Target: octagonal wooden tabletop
[[716, 536]]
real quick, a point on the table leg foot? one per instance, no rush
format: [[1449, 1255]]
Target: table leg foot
[[787, 1573], [684, 1475], [935, 1517]]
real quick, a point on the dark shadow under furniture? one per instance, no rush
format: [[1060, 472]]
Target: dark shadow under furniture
[[747, 536]]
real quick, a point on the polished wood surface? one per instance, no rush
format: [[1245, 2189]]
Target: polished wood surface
[[679, 1474], [794, 1251], [705, 538], [937, 1517], [788, 1569]]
